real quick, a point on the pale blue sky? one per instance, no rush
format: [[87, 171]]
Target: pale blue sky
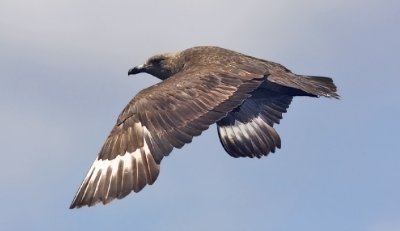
[[64, 81]]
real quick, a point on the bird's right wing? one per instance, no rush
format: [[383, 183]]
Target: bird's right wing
[[248, 130], [159, 118]]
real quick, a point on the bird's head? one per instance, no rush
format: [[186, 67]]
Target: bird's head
[[161, 66]]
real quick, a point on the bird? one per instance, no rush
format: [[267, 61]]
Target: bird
[[245, 96]]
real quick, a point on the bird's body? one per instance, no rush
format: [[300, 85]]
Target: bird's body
[[244, 95]]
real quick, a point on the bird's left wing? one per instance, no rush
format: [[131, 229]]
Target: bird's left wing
[[159, 118]]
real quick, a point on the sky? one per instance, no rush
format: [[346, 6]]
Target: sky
[[64, 82]]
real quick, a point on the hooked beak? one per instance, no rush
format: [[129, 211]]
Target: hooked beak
[[136, 70]]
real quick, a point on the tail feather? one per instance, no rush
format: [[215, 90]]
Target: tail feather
[[317, 85], [302, 85]]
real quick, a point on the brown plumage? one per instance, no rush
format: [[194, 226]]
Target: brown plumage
[[244, 95]]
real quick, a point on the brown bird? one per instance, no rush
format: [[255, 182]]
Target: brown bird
[[201, 86]]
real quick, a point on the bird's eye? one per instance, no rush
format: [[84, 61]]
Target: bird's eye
[[156, 60]]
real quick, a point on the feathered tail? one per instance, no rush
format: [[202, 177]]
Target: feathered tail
[[316, 85]]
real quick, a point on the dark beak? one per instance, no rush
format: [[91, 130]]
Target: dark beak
[[136, 70]]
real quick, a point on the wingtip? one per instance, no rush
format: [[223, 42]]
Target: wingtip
[[78, 206], [75, 204]]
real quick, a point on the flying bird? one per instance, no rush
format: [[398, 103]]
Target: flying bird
[[245, 96]]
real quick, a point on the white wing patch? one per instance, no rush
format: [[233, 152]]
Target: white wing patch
[[115, 178], [254, 138]]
